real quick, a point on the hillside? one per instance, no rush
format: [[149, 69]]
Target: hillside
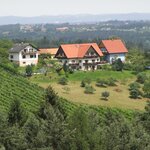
[[80, 18], [14, 86]]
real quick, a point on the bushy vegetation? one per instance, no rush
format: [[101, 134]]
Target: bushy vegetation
[[89, 89], [63, 81], [105, 95], [141, 78], [85, 81]]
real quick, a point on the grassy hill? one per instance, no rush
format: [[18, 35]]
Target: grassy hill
[[13, 86]]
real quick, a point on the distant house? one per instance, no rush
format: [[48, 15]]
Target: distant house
[[113, 49], [80, 56], [23, 54], [51, 51]]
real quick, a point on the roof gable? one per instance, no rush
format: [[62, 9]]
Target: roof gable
[[114, 46], [79, 50], [19, 47]]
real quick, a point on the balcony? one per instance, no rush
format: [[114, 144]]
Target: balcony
[[90, 63], [94, 63], [73, 64], [91, 56]]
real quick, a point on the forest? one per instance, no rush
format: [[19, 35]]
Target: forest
[[134, 33]]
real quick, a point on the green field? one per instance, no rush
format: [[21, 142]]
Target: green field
[[80, 75], [119, 95]]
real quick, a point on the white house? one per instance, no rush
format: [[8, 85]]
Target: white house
[[23, 54], [113, 49], [80, 56]]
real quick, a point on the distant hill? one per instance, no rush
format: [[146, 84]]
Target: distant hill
[[85, 18]]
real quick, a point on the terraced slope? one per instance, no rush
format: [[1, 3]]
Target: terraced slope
[[13, 86]]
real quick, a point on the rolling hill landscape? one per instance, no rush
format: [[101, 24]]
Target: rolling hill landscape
[[74, 75], [80, 18]]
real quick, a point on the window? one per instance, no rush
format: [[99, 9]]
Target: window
[[11, 60], [34, 56], [25, 50], [86, 61], [31, 56], [11, 56], [24, 62], [80, 61], [24, 56]]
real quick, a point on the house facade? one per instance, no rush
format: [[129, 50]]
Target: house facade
[[24, 54], [80, 56], [113, 49]]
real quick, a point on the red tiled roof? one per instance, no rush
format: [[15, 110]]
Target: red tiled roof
[[114, 46], [79, 50], [51, 51]]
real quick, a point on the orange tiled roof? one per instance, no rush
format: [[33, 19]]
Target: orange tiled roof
[[114, 46], [79, 50], [51, 51]]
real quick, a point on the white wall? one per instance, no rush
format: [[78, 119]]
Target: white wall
[[15, 56], [116, 56], [18, 57]]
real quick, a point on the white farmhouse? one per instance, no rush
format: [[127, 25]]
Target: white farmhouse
[[80, 56], [24, 54]]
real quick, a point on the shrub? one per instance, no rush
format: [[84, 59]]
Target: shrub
[[135, 93], [127, 66], [85, 82], [117, 65], [146, 89], [63, 81], [105, 95], [89, 89], [61, 72], [141, 78], [111, 82], [101, 83], [29, 70], [106, 67], [137, 68], [134, 86], [71, 71]]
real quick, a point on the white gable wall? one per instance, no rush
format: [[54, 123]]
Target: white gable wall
[[111, 57], [18, 57]]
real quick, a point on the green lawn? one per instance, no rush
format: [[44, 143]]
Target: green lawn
[[119, 95], [80, 75]]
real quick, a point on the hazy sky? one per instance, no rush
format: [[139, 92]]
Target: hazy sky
[[57, 7]]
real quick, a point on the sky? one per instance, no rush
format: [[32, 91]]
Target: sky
[[63, 7]]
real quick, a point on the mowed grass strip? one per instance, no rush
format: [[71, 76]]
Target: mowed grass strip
[[93, 75], [80, 75]]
